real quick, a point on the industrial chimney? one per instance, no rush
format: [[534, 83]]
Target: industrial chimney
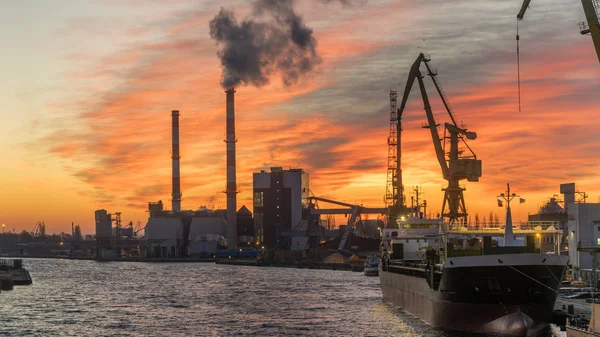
[[175, 155], [231, 180]]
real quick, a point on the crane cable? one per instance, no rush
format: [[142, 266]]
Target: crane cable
[[518, 68]]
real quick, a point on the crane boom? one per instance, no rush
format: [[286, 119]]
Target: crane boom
[[523, 9], [415, 73], [593, 27], [414, 69], [437, 144], [438, 87]]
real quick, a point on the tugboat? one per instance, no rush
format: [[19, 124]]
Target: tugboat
[[13, 269], [508, 290], [372, 266]]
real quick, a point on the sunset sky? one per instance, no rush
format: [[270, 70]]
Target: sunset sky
[[88, 87]]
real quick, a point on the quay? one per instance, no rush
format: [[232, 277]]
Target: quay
[[297, 264]]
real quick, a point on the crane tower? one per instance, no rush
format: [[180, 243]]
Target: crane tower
[[394, 191]]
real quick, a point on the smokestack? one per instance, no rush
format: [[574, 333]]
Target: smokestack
[[176, 178], [231, 180]]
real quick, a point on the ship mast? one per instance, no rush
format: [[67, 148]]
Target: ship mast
[[509, 237]]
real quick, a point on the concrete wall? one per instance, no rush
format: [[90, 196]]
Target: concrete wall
[[199, 247], [261, 180], [207, 225], [163, 228]]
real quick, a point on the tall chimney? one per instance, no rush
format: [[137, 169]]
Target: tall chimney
[[176, 179], [231, 180]]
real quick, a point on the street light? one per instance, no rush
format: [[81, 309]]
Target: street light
[[3, 225]]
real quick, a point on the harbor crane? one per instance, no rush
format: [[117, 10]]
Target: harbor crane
[[455, 164], [590, 26]]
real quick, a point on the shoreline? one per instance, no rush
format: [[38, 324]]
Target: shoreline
[[355, 267]]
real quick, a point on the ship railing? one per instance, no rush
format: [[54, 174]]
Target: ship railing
[[486, 225], [590, 246], [544, 225]]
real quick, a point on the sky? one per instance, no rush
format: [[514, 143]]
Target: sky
[[88, 88]]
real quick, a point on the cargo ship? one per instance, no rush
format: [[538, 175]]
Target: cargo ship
[[506, 290]]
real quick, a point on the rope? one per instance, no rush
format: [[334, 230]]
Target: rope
[[522, 273], [518, 67], [551, 273]]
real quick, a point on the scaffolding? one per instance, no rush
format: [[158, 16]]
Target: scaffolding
[[394, 192]]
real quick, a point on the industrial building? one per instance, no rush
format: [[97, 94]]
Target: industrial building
[[103, 232], [184, 233], [552, 211], [201, 232], [245, 227], [279, 198], [583, 229], [113, 241]]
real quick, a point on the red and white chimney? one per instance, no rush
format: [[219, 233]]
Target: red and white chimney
[[175, 155], [231, 179]]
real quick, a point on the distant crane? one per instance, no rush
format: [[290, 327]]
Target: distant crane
[[457, 166], [349, 209], [39, 230], [592, 27]]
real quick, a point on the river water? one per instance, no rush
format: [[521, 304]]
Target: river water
[[89, 298]]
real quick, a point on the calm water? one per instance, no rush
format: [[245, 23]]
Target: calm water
[[88, 298]]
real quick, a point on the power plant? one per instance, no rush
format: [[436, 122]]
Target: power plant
[[179, 232]]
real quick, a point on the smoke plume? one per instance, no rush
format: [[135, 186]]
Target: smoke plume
[[251, 51]]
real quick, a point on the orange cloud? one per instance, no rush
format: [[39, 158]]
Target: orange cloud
[[120, 146]]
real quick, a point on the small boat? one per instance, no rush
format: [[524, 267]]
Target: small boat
[[13, 268], [372, 266]]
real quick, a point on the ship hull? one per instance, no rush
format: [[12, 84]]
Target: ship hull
[[514, 297]]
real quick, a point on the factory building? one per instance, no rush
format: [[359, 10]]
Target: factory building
[[245, 227], [163, 236], [279, 198], [185, 233], [583, 230], [103, 233], [551, 211], [207, 232]]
